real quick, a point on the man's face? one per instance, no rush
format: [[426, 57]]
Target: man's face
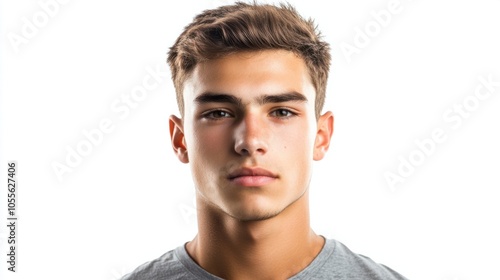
[[249, 132]]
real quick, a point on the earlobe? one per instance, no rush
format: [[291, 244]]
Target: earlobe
[[323, 135], [177, 137]]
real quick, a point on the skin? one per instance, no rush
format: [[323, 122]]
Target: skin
[[252, 110]]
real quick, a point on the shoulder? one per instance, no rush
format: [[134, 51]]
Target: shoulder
[[365, 265], [342, 263], [166, 266]]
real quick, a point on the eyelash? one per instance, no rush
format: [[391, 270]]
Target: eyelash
[[289, 112], [210, 114]]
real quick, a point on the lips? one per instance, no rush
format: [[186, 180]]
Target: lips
[[252, 177]]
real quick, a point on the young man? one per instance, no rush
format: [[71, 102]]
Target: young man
[[250, 82]]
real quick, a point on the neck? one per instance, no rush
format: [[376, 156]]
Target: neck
[[275, 248]]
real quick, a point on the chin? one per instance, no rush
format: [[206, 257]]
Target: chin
[[249, 214]]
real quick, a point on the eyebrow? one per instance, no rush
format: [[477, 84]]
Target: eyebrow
[[280, 98], [210, 97]]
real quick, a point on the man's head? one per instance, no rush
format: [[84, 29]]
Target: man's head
[[250, 127], [249, 27]]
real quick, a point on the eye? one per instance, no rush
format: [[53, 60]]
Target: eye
[[283, 113], [216, 114]]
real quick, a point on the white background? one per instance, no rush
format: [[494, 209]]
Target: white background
[[130, 200]]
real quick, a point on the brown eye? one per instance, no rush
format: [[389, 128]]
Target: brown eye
[[282, 113], [217, 114]]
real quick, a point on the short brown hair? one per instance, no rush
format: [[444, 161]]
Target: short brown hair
[[249, 27]]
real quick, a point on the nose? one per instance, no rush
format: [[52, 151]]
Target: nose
[[251, 136]]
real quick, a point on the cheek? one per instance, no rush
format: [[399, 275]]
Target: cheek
[[205, 150], [208, 143], [297, 141], [296, 153]]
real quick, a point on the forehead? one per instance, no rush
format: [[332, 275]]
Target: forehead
[[250, 74]]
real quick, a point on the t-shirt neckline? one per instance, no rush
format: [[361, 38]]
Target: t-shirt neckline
[[199, 272]]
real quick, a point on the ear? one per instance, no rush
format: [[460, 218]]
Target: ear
[[323, 135], [178, 140]]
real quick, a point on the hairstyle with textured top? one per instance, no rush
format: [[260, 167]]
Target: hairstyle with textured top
[[249, 27]]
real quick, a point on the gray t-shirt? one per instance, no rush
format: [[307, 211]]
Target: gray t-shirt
[[335, 261]]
